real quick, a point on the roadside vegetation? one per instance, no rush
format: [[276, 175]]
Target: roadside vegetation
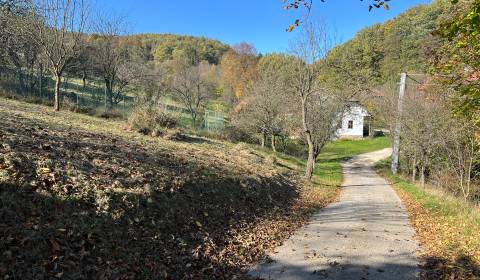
[[446, 227]]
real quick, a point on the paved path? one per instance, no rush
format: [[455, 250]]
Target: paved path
[[365, 235]]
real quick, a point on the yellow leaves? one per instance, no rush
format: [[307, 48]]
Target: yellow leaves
[[43, 170], [447, 238]]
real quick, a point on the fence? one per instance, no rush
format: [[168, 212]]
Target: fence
[[87, 96]]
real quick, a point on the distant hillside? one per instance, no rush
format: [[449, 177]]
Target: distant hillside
[[162, 47], [404, 43]]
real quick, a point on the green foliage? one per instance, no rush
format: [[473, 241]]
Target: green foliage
[[403, 44], [163, 47], [459, 58]]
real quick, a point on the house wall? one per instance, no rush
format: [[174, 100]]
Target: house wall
[[355, 114]]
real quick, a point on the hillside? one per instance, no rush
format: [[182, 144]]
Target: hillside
[[84, 198], [403, 44], [162, 47]]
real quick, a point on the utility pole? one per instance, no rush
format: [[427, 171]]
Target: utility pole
[[398, 125]]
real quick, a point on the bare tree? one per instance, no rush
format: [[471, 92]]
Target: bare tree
[[462, 154], [190, 85], [264, 110], [318, 109], [16, 47], [110, 57], [59, 32]]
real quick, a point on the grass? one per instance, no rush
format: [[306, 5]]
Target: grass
[[447, 227], [328, 170]]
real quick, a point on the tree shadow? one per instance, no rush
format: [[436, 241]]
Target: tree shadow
[[432, 268], [81, 205]]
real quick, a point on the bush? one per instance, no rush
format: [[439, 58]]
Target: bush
[[236, 134], [151, 121], [109, 114]]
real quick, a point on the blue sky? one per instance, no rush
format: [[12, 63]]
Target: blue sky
[[260, 22]]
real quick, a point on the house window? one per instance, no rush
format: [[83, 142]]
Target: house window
[[350, 124]]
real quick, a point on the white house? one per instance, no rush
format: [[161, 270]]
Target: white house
[[354, 124]]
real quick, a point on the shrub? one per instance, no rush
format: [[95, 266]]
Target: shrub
[[236, 134], [109, 114], [154, 121]]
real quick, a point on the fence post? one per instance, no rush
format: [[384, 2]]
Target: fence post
[[398, 125], [206, 120], [105, 98], [124, 108]]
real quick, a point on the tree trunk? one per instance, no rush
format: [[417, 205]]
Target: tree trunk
[[414, 168], [58, 81], [40, 81], [109, 93], [84, 79], [274, 148], [263, 140], [21, 83], [370, 127], [194, 119], [310, 162], [422, 176]]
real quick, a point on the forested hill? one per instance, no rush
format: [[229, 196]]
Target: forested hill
[[162, 47], [404, 43]]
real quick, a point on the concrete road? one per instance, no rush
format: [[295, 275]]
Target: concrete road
[[365, 235]]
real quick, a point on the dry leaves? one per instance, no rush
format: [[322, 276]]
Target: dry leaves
[[79, 204], [447, 251]]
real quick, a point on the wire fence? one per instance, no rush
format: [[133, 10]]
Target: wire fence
[[86, 96]]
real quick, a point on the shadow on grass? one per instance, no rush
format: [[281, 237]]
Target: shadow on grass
[[90, 206], [464, 267]]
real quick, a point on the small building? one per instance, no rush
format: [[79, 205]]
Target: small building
[[355, 122]]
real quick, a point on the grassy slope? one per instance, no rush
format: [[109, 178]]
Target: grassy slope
[[448, 228], [82, 197], [328, 170]]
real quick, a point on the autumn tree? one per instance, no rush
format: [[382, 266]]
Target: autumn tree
[[264, 110], [59, 33], [458, 61], [239, 69]]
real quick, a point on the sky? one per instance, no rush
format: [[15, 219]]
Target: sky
[[262, 23]]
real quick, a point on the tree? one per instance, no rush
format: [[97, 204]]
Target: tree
[[458, 61], [110, 56], [17, 48], [307, 4], [191, 86], [319, 109], [59, 33], [239, 69], [264, 109]]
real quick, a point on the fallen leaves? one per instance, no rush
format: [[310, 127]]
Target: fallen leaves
[[447, 252], [76, 203]]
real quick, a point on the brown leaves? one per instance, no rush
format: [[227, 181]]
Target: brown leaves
[[446, 249], [124, 206]]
